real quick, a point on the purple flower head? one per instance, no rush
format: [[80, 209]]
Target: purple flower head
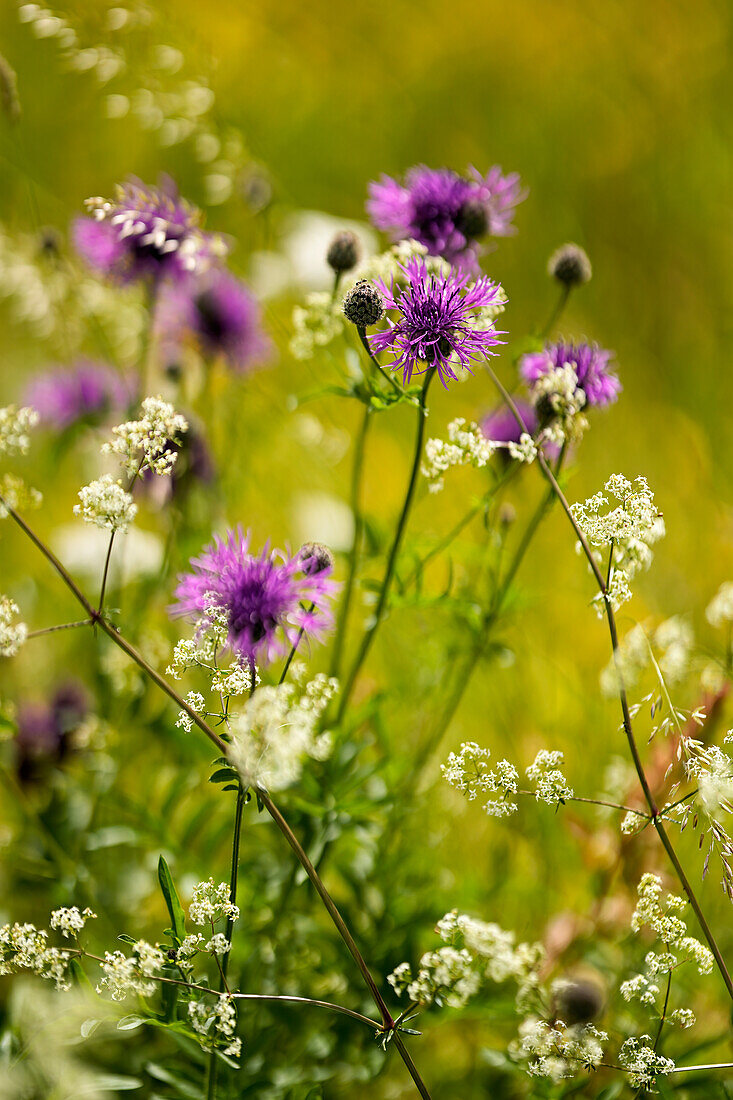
[[86, 391], [145, 233], [590, 363], [218, 312], [267, 599], [44, 729], [439, 317], [446, 212]]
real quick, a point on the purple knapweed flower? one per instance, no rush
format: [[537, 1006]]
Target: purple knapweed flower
[[440, 317], [145, 233], [268, 600], [84, 392], [590, 363], [444, 211], [219, 313], [45, 730]]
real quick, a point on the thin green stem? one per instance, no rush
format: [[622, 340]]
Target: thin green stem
[[387, 377], [273, 998], [213, 1066], [626, 714], [474, 655], [557, 311], [54, 629], [358, 514], [370, 633], [293, 651]]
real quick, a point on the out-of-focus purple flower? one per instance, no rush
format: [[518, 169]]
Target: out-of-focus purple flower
[[218, 312], [86, 391], [501, 426], [267, 599], [440, 317], [145, 233], [446, 212], [590, 363], [194, 464], [45, 729]]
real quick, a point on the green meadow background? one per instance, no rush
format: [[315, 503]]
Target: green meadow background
[[617, 116]]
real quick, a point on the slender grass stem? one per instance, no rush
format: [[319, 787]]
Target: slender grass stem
[[371, 631], [212, 1072], [454, 699], [557, 311], [626, 714], [358, 514], [273, 998]]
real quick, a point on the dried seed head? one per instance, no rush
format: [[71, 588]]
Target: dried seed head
[[343, 252]]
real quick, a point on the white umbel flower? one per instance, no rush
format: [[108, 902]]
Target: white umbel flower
[[105, 503]]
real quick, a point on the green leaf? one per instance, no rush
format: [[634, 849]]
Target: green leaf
[[129, 1023], [223, 775], [175, 908], [113, 1082], [88, 1027]]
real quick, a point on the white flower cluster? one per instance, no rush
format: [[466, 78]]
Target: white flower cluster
[[15, 424], [720, 609], [315, 324], [196, 702], [469, 772], [70, 922], [661, 915], [14, 493], [105, 503], [642, 1063], [12, 634], [25, 947], [388, 265], [214, 1024], [277, 729], [629, 529], [556, 1051], [552, 786], [474, 951], [127, 975], [466, 446], [145, 444], [210, 903], [557, 392], [523, 451]]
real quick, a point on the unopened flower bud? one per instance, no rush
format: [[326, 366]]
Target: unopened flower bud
[[316, 558], [578, 1000], [343, 251], [472, 219], [570, 265], [363, 305]]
